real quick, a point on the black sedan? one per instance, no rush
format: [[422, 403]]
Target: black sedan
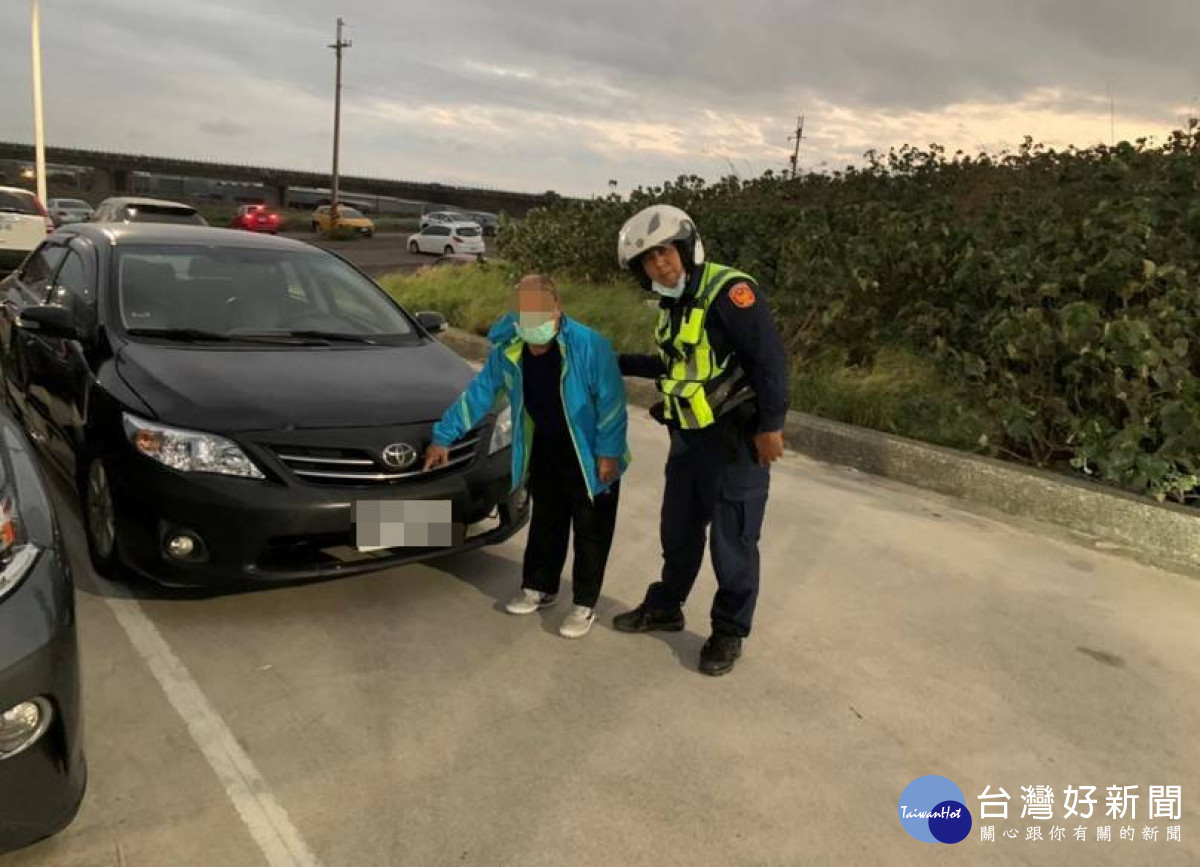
[[241, 408], [42, 773]]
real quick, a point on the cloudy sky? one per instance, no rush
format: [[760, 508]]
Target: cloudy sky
[[564, 95]]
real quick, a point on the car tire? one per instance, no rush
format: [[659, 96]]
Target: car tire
[[413, 248], [316, 229], [99, 518], [449, 251]]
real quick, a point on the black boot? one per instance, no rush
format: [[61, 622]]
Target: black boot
[[643, 619], [719, 654]]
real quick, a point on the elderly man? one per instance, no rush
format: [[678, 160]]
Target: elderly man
[[569, 423]]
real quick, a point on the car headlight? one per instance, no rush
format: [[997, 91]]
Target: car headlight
[[502, 431], [22, 724], [189, 451], [16, 554]]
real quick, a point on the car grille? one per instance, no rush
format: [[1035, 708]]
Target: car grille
[[340, 466]]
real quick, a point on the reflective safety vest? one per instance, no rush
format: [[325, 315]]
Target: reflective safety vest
[[698, 387]]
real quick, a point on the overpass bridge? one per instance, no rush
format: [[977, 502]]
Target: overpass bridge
[[112, 173]]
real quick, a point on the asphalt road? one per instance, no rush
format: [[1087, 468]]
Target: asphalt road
[[382, 254], [402, 718]]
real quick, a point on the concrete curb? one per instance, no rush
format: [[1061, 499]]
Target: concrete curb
[[1166, 535]]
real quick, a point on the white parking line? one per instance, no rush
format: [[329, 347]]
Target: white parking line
[[266, 820]]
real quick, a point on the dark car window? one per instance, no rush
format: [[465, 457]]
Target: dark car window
[[71, 288], [438, 230], [39, 268], [17, 203], [466, 231], [245, 290]]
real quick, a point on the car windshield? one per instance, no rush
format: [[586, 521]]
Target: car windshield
[[17, 203], [162, 214], [188, 291]]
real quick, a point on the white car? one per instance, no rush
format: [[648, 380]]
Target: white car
[[23, 225], [448, 238], [69, 211], [443, 218], [133, 209]]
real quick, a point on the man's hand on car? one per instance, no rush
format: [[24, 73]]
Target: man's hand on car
[[436, 456]]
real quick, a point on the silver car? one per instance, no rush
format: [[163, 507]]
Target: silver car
[[64, 211]]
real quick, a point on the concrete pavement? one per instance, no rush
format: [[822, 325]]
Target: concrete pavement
[[402, 719]]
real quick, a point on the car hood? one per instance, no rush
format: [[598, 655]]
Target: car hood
[[248, 389]]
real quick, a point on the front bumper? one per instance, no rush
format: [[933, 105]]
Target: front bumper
[[282, 530], [42, 787]]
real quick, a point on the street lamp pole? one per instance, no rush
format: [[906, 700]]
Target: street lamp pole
[[39, 137], [338, 45]]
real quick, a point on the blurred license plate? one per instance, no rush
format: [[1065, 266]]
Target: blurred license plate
[[380, 524]]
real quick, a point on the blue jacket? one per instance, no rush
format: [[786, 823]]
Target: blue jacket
[[593, 396]]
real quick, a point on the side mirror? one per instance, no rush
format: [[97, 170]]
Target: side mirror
[[50, 321], [434, 323]]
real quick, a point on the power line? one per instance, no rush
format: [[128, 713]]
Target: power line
[[796, 138], [338, 46]]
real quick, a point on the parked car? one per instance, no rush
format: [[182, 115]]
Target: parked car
[[237, 407], [42, 770], [64, 211], [23, 225], [490, 223], [351, 218], [256, 218], [128, 209], [447, 239], [443, 218]]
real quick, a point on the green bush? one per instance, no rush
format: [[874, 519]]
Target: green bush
[[472, 297], [1055, 293]]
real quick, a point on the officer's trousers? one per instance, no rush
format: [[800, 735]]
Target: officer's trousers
[[708, 484]]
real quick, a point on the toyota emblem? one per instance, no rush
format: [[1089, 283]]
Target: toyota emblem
[[399, 456]]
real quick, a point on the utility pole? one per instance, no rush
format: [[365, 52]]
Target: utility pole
[[39, 136], [796, 138], [338, 45]]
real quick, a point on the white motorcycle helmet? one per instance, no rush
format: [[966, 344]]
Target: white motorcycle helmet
[[657, 226]]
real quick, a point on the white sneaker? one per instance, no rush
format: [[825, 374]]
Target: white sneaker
[[528, 601], [578, 622]]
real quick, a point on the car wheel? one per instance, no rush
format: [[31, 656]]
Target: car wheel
[[315, 228], [449, 251], [413, 248], [100, 519]]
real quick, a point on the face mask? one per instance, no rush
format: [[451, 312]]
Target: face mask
[[536, 329], [670, 291]]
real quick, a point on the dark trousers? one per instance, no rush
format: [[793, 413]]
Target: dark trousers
[[713, 480], [560, 504]]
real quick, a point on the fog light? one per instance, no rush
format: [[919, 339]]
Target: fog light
[[181, 547], [22, 725]]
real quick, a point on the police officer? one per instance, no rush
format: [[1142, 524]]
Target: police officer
[[722, 372]]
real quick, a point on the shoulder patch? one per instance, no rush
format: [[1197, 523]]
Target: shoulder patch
[[742, 295]]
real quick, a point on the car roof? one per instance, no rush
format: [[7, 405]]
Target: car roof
[[137, 200], [17, 190], [118, 234]]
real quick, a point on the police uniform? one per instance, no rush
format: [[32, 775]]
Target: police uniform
[[722, 372]]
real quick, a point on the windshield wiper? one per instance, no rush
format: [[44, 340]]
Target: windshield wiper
[[331, 335], [179, 334], [197, 335]]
